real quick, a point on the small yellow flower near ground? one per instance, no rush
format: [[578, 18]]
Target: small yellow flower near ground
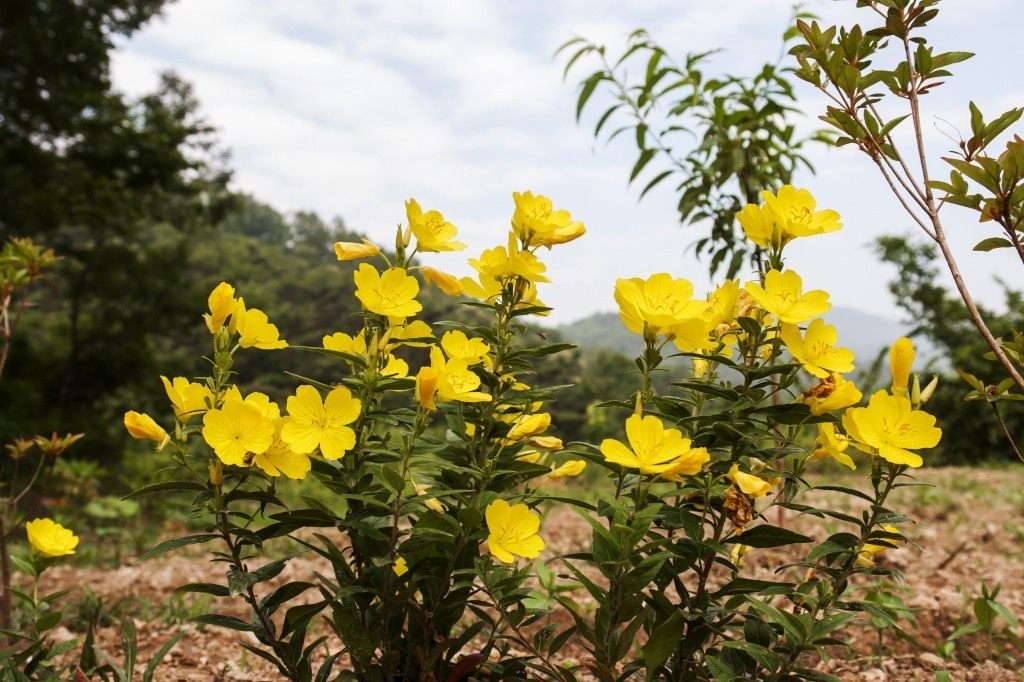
[[528, 425], [50, 539], [314, 423], [142, 426], [783, 296], [449, 284], [574, 467], [354, 250], [187, 398], [392, 293], [400, 567], [749, 484], [343, 343], [254, 329], [458, 346], [426, 387], [660, 303], [901, 360], [237, 431], [866, 556], [455, 381], [890, 427], [221, 303], [512, 531], [433, 233], [536, 221], [833, 393], [504, 262], [831, 443], [816, 348], [652, 449]]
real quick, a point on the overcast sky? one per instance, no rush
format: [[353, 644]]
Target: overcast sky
[[349, 108]]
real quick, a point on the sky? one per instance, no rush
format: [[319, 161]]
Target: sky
[[350, 108]]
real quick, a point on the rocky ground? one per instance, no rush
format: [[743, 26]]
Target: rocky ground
[[969, 531]]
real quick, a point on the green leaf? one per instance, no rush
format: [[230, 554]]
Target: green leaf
[[662, 642], [222, 621], [158, 657], [176, 543], [993, 243], [204, 588], [167, 486], [767, 536]]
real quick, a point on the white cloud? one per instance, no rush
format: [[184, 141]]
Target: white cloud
[[350, 108]]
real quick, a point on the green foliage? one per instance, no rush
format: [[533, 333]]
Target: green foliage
[[722, 139]]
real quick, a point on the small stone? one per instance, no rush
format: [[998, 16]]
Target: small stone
[[932, 661], [874, 675]]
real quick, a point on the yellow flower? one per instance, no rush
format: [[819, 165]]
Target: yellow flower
[[455, 381], [653, 449], [737, 553], [784, 217], [866, 556], [254, 329], [187, 398], [831, 394], [723, 303], [692, 335], [546, 442], [431, 503], [260, 402], [783, 297], [890, 427], [355, 251], [688, 464], [314, 423], [395, 367], [502, 263], [816, 350], [401, 332], [700, 368], [458, 346], [536, 221], [50, 539], [574, 467], [433, 233], [658, 304], [749, 484], [449, 284], [426, 387], [400, 567], [279, 459], [237, 431], [901, 359], [528, 425], [512, 531], [343, 343], [142, 426], [531, 457], [222, 303], [832, 444], [392, 294]]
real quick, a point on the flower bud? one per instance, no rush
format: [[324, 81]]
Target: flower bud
[[216, 472], [142, 426], [926, 394], [354, 251], [700, 368], [426, 386], [901, 359], [442, 280]]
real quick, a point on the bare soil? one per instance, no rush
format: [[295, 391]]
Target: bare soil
[[968, 531]]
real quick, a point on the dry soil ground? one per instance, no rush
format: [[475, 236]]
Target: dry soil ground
[[969, 530]]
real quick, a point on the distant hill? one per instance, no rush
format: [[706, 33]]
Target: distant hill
[[863, 333]]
